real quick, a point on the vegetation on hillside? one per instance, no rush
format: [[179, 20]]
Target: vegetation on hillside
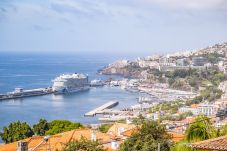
[[222, 131], [20, 130], [41, 127], [214, 57], [194, 77], [208, 94], [201, 129], [148, 136], [176, 118], [16, 131], [83, 145], [104, 128], [182, 146], [58, 126], [168, 107]]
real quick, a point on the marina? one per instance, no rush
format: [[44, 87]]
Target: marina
[[116, 115], [101, 108], [97, 83], [70, 106]]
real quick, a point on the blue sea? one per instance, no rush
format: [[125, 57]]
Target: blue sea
[[37, 70]]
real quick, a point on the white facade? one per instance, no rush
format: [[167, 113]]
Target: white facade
[[208, 109], [145, 63], [194, 111], [120, 63]]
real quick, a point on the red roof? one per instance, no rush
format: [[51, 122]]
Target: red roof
[[217, 144]]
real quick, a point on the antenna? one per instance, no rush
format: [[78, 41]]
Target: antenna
[[45, 141]]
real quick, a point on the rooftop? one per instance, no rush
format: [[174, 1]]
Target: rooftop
[[217, 144], [58, 141], [176, 137]]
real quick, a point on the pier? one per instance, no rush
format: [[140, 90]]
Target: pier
[[101, 108], [110, 112], [20, 93]]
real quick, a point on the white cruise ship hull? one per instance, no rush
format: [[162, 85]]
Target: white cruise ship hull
[[70, 83], [68, 91]]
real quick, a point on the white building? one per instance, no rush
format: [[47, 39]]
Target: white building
[[221, 123], [223, 87], [145, 63], [120, 63], [194, 111], [153, 116], [221, 66], [208, 109]]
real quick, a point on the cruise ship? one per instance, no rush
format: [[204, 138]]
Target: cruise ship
[[70, 83]]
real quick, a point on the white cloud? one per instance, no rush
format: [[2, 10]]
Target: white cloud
[[94, 8], [86, 9], [191, 4]]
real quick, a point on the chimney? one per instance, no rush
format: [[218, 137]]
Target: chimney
[[128, 121], [22, 146], [94, 128], [114, 144], [93, 135]]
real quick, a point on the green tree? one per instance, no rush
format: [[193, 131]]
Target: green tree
[[193, 81], [84, 145], [182, 73], [16, 131], [104, 128], [181, 146], [214, 57], [147, 138], [211, 93], [177, 118], [201, 129], [223, 130], [58, 126], [41, 127]]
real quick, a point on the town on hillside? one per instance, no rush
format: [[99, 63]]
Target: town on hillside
[[182, 106]]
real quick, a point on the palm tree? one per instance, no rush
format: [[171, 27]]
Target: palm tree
[[200, 129], [223, 130], [181, 146]]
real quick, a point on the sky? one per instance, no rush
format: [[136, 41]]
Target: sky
[[140, 27]]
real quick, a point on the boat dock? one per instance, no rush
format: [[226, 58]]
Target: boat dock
[[20, 93], [107, 105], [110, 112]]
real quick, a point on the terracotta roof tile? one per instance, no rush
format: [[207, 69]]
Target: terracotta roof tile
[[119, 128], [57, 141], [176, 137], [129, 133], [219, 144]]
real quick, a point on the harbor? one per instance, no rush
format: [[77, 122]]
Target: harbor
[[63, 84], [71, 107], [147, 95], [107, 114]]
